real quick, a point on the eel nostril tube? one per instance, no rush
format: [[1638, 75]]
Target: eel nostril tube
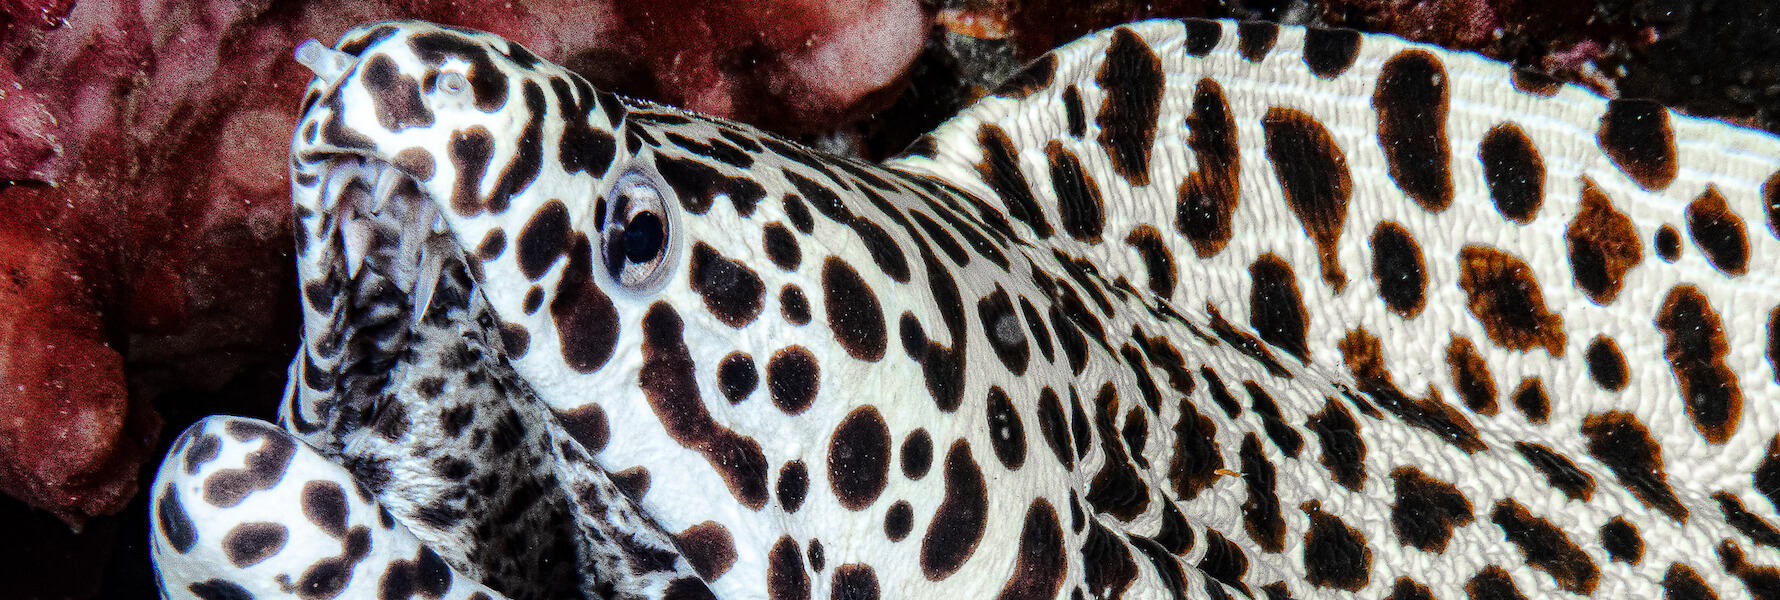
[[327, 63]]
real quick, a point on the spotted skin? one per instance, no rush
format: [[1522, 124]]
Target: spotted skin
[[1186, 309]]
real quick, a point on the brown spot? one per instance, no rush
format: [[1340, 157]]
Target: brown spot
[[1196, 460], [587, 424], [1398, 269], [417, 162], [1224, 561], [709, 548], [470, 151], [792, 379], [1603, 245], [1559, 470], [1745, 522], [1335, 555], [1040, 564], [1471, 377], [586, 320], [732, 292], [1762, 581], [1493, 583], [1364, 357], [1503, 294], [1312, 171], [1636, 136], [1207, 198], [1260, 512], [1770, 196], [1255, 39], [1624, 445], [250, 543], [1411, 101], [1000, 169], [1276, 310], [1529, 398], [854, 582], [1132, 77], [785, 577], [1118, 488], [262, 468], [668, 381], [1546, 547], [958, 524], [794, 484], [859, 458], [1682, 582], [1718, 232], [1668, 243], [1622, 542], [1514, 172], [1426, 510], [1408, 589], [633, 482], [1158, 262], [1696, 348], [1535, 83], [1034, 77], [1107, 562], [1344, 452]]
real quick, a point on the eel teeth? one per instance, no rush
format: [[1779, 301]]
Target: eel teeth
[[327, 63], [387, 180], [427, 280], [356, 236]]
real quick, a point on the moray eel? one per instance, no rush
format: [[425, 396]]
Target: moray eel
[[1184, 309]]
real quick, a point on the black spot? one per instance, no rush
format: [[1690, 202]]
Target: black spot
[[798, 213], [781, 247], [1118, 488], [1361, 351], [1078, 425], [1622, 542], [1718, 232], [1603, 245], [1514, 172], [586, 320], [1426, 510], [793, 305], [792, 378], [853, 311], [1245, 343], [219, 589], [1255, 39], [582, 147], [487, 82], [1605, 364], [1196, 460], [1040, 562], [1176, 536], [1668, 243], [859, 458], [1167, 567], [1107, 562], [206, 446], [785, 577], [1546, 547], [1530, 399], [1535, 83], [1636, 136], [324, 503], [176, 525], [1034, 77], [1312, 171], [357, 45], [1007, 436], [1001, 170], [250, 543], [698, 185], [1132, 77], [1696, 347], [1624, 445], [1559, 471], [1276, 310], [669, 383], [1398, 269], [1288, 440], [1329, 52], [958, 524], [1409, 589], [917, 454], [1054, 427], [1202, 36], [941, 238], [1078, 196], [1158, 262], [1214, 386], [1745, 522], [587, 424], [1503, 295], [1261, 513], [898, 520], [1335, 555], [1344, 452], [1072, 107], [1036, 325], [737, 377], [1136, 435], [794, 484], [1223, 560], [1207, 198], [817, 557], [1411, 101]]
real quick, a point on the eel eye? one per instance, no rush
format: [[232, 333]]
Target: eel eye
[[635, 239]]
